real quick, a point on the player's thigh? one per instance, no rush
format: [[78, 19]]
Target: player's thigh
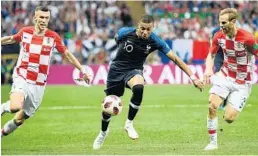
[[134, 77], [136, 80], [16, 100], [115, 88], [220, 86], [18, 93], [115, 75], [238, 98], [34, 99], [215, 101], [230, 113]]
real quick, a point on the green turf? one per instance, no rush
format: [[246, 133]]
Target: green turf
[[168, 129]]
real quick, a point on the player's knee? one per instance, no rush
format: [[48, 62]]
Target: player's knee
[[212, 106], [137, 94], [229, 121], [15, 107], [138, 89], [229, 118]]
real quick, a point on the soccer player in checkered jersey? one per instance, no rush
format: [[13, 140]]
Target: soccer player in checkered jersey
[[234, 79], [30, 73]]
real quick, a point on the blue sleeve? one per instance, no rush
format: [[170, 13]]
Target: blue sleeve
[[162, 45], [123, 32], [215, 30]]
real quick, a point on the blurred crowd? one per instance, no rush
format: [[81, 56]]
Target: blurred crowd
[[88, 27], [197, 19]]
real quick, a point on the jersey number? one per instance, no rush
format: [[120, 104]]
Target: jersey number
[[128, 47]]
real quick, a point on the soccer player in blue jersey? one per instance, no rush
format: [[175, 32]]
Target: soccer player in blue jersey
[[126, 70]]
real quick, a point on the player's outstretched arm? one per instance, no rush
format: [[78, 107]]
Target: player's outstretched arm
[[7, 40], [197, 83], [69, 56], [209, 63]]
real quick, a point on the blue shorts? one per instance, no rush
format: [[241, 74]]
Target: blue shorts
[[117, 81]]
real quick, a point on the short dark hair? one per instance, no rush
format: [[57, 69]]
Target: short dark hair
[[42, 8], [147, 18]]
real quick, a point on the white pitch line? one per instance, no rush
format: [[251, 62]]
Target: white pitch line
[[144, 106]]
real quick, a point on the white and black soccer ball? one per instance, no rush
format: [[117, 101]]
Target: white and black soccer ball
[[112, 105]]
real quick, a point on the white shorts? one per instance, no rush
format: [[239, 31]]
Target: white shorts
[[237, 94], [33, 94]]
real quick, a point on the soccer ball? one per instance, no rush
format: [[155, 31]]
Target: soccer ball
[[112, 105]]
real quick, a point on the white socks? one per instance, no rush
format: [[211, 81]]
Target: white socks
[[212, 125], [5, 107], [9, 127]]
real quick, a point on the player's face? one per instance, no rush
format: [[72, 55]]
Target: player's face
[[144, 30], [42, 19], [225, 25]]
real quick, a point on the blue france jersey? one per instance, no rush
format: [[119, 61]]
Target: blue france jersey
[[133, 51]]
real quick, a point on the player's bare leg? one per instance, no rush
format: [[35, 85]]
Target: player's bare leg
[[212, 121], [136, 84], [230, 114], [14, 104]]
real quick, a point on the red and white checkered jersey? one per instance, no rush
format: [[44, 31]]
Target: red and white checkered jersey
[[239, 59], [35, 54]]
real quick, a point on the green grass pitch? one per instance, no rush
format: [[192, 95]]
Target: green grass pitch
[[172, 120]]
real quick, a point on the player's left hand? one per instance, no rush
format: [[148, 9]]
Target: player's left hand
[[198, 84]]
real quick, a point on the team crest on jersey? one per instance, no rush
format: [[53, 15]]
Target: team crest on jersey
[[49, 41], [239, 46], [148, 48]]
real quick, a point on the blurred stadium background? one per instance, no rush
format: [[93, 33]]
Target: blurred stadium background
[[88, 28], [177, 112]]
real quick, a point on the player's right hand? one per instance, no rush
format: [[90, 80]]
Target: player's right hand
[[206, 77], [198, 84], [85, 77]]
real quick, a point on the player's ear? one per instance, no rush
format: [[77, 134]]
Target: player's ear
[[233, 21]]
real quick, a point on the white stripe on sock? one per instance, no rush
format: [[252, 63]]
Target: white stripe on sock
[[106, 120], [134, 106]]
